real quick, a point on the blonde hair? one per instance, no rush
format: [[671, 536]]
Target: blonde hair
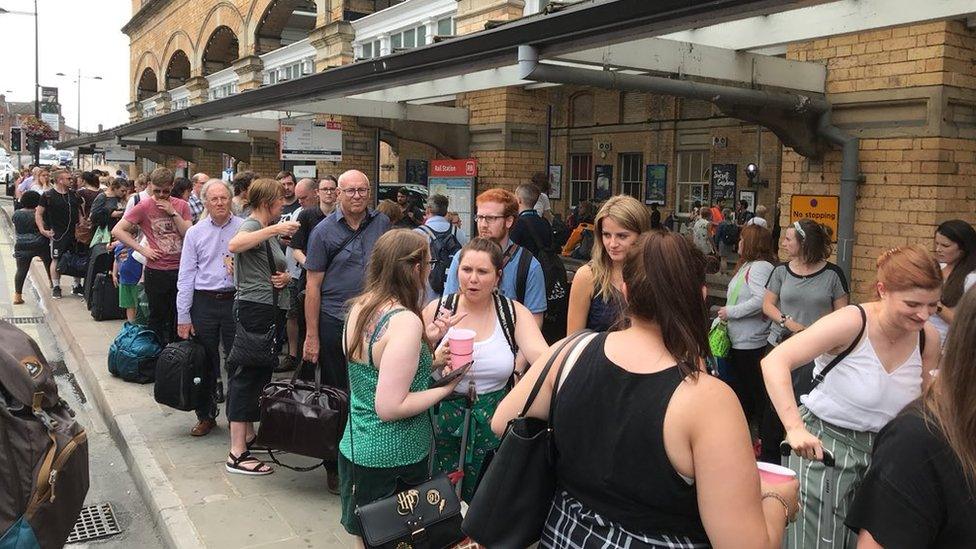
[[630, 214]]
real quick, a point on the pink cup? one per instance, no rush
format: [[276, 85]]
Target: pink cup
[[462, 341], [775, 474], [460, 360]]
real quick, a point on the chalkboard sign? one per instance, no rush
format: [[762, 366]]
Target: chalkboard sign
[[723, 182]]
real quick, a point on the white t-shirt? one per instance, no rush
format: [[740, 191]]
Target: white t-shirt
[[941, 325], [542, 205]]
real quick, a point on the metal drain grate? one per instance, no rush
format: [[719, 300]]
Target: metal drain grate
[[23, 319], [95, 521]]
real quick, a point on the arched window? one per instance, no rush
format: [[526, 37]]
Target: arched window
[[283, 23], [148, 85], [177, 70], [220, 51]]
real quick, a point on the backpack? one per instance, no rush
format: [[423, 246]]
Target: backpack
[[584, 250], [557, 289], [43, 451], [181, 372], [443, 246], [133, 354], [730, 234]]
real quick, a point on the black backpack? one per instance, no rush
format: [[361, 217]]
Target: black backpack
[[557, 289], [182, 375], [584, 250], [443, 246], [730, 234]]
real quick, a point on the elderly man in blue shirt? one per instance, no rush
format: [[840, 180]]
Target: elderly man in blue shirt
[[205, 291]]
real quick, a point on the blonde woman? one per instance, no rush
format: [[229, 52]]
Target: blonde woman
[[596, 297]]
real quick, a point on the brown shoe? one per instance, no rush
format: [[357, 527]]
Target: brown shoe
[[18, 299], [333, 483], [203, 427]]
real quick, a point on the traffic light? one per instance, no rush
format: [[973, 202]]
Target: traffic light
[[16, 140]]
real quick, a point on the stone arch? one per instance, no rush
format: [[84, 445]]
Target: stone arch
[[180, 40], [147, 85], [581, 109], [223, 14], [147, 62], [277, 23], [177, 70], [220, 50]]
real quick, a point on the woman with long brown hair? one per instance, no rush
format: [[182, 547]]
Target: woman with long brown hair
[[955, 249], [388, 434], [748, 326], [920, 491], [658, 451], [861, 384]]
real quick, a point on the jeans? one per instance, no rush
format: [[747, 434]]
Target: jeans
[[161, 293], [213, 322]]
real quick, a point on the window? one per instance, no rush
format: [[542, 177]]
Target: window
[[180, 104], [445, 27], [631, 174], [692, 180], [410, 38], [581, 177], [290, 71], [396, 41], [225, 90], [371, 50]]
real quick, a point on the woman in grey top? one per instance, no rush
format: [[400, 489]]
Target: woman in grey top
[[798, 293], [748, 326], [255, 312]]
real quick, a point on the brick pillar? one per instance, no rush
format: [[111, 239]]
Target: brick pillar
[[249, 72], [917, 157], [358, 149], [264, 158], [473, 14], [135, 110], [198, 86], [333, 44]]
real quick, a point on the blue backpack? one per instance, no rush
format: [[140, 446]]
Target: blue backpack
[[133, 354]]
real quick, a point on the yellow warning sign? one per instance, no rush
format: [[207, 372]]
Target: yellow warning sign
[[820, 208]]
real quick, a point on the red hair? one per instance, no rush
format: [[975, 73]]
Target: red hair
[[907, 268], [501, 196]]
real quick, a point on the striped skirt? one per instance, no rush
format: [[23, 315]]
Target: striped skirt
[[570, 525], [852, 453]]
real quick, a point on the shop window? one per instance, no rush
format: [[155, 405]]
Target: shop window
[[581, 177], [693, 173], [631, 174]]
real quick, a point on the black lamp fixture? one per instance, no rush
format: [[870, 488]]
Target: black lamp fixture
[[752, 174]]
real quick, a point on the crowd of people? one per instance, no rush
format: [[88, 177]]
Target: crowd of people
[[872, 401]]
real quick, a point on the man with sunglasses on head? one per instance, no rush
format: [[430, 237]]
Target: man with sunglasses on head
[[56, 216], [163, 220]]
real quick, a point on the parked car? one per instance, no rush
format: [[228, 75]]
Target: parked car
[[388, 191]]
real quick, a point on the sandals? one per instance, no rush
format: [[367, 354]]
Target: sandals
[[237, 465]]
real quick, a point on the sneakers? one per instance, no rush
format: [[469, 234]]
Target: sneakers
[[287, 364], [56, 292], [78, 290]]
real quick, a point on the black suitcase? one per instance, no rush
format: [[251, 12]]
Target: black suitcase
[[104, 302], [100, 262], [181, 375]]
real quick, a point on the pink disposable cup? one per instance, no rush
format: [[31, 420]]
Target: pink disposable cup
[[462, 341], [460, 360], [774, 474]]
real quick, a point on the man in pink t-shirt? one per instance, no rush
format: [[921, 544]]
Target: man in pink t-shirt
[[163, 220]]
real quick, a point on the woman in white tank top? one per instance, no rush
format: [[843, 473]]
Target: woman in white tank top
[[890, 350], [506, 336]]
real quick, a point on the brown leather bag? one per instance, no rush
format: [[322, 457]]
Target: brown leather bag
[[303, 418], [83, 229], [43, 451]]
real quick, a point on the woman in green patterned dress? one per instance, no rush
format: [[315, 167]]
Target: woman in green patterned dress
[[506, 336], [388, 434]]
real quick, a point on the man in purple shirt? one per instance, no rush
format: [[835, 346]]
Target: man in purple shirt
[[205, 291]]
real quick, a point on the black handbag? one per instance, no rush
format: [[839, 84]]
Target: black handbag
[[73, 263], [253, 349], [513, 498], [427, 515], [303, 418]]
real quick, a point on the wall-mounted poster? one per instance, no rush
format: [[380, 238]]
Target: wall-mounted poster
[[604, 182], [416, 172], [656, 188], [555, 181], [750, 198], [723, 182]]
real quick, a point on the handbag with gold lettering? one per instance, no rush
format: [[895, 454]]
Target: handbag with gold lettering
[[426, 516]]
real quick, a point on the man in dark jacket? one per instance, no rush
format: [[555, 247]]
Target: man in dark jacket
[[530, 229]]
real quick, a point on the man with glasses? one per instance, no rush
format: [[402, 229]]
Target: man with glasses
[[163, 220], [56, 216], [522, 279]]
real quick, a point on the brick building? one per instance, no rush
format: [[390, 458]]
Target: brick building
[[11, 113], [902, 81]]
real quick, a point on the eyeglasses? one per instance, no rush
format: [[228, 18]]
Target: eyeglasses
[[353, 192], [328, 190], [432, 262], [488, 218]]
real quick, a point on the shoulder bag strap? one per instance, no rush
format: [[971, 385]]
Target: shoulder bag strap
[[274, 269], [506, 315], [522, 274], [817, 379], [572, 339], [734, 295], [362, 227]]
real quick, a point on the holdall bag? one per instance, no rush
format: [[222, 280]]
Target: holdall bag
[[132, 356], [104, 300], [73, 263], [514, 495], [257, 350], [181, 375], [43, 451], [303, 418]]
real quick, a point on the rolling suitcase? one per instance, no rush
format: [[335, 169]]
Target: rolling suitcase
[[104, 301], [100, 262], [182, 375]]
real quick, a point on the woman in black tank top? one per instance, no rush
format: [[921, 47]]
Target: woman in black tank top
[[652, 452]]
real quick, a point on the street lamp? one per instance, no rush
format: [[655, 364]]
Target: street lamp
[[78, 81], [37, 74]]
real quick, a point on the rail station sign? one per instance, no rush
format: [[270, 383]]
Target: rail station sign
[[310, 140], [823, 209], [456, 179]]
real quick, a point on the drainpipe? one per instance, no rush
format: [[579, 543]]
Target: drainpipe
[[531, 69], [849, 178]]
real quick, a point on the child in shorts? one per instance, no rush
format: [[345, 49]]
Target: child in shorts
[[126, 273]]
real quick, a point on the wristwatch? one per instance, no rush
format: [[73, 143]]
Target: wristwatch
[[782, 320]]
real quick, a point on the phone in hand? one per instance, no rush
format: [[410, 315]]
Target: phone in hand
[[452, 375]]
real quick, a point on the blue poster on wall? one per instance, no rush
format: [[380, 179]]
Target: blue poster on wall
[[656, 188], [604, 182]]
